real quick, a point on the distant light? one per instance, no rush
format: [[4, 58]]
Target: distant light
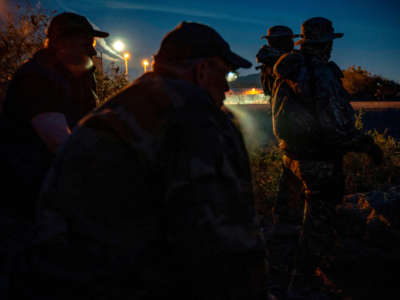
[[126, 55], [119, 46], [145, 63], [231, 76], [253, 91]]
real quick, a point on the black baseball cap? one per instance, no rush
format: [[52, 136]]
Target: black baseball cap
[[191, 40], [68, 23]]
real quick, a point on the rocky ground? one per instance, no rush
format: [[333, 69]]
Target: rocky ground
[[365, 260]]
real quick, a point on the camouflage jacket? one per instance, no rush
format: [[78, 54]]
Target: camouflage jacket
[[312, 116], [160, 177], [268, 56]]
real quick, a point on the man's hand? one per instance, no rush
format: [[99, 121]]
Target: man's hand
[[52, 128]]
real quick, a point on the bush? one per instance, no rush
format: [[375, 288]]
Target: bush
[[361, 84], [266, 167], [109, 83], [21, 35], [361, 174]]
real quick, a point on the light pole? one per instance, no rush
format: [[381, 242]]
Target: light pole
[[145, 63], [119, 46], [126, 57]]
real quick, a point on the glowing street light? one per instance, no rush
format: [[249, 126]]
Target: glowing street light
[[118, 45], [126, 57], [145, 63]]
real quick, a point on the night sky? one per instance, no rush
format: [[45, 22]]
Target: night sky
[[371, 28]]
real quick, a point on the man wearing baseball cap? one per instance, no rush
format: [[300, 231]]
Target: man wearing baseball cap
[[45, 100], [314, 124], [280, 41], [158, 178]]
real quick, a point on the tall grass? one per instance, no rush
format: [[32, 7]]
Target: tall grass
[[360, 172]]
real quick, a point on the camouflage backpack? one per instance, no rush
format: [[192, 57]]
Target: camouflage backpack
[[295, 124]]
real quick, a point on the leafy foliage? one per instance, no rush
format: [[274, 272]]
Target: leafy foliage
[[21, 35], [266, 167], [361, 174], [360, 83], [110, 83]]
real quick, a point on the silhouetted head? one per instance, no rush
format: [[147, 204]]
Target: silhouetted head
[[280, 37], [72, 38], [317, 35]]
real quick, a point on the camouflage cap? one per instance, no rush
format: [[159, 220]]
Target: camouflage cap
[[279, 31], [68, 23], [317, 30], [194, 40]]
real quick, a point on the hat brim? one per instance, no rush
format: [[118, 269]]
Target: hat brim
[[101, 34], [266, 37], [236, 61], [324, 40]]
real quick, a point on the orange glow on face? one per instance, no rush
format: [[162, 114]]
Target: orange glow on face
[[253, 91]]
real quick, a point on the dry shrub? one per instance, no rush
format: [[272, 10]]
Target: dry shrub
[[361, 174]]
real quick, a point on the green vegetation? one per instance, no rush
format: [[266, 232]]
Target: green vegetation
[[360, 172], [21, 35], [109, 83], [362, 175], [361, 84], [266, 167]]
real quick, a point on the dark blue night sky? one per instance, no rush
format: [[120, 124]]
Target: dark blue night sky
[[371, 28]]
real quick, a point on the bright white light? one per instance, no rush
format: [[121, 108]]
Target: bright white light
[[119, 46], [231, 76]]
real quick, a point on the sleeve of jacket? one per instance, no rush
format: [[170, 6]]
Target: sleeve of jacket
[[211, 210]]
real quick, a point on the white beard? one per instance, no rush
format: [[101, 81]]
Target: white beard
[[78, 67]]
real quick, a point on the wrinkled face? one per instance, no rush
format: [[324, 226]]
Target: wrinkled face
[[75, 49], [211, 76]]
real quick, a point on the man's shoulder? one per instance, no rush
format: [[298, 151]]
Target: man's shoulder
[[327, 71], [38, 71], [158, 96], [289, 64]]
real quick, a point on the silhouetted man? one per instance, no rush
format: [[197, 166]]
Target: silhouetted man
[[314, 124], [280, 41], [45, 100], [157, 181]]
